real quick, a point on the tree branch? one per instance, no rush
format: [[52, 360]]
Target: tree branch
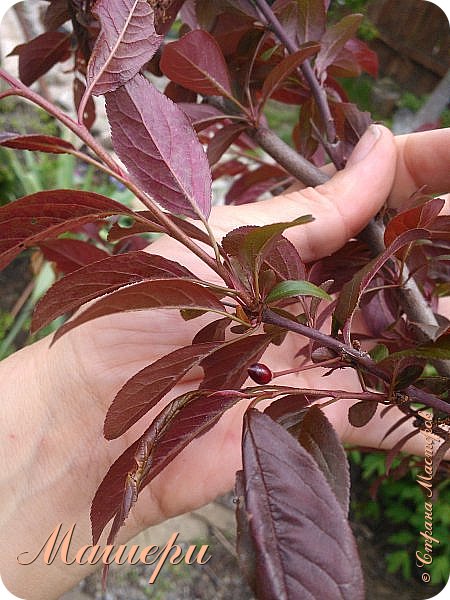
[[318, 92], [294, 163], [360, 358], [411, 299]]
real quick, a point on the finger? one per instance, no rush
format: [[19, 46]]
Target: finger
[[423, 160], [341, 207], [373, 435]]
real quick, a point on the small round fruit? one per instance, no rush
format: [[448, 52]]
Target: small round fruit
[[260, 373]]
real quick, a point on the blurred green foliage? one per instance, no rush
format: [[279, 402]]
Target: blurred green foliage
[[397, 516]]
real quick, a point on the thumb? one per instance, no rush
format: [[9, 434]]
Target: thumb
[[341, 207]]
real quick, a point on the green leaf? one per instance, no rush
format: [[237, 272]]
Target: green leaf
[[292, 287], [401, 538], [399, 560], [379, 352], [439, 569]]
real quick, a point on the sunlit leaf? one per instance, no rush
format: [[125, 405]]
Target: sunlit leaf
[[126, 42], [196, 62], [157, 144]]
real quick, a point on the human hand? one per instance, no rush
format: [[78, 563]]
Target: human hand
[[57, 418]]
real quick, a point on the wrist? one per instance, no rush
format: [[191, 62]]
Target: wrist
[[42, 459]]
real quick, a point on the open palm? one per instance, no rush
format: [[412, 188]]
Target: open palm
[[85, 369]]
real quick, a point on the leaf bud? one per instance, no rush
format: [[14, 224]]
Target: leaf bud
[[260, 373], [322, 354]]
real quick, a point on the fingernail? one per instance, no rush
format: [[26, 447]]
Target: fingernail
[[365, 144]]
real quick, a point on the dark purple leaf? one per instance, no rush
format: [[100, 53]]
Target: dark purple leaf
[[396, 425], [340, 266], [311, 15], [334, 40], [351, 123], [157, 144], [198, 113], [287, 66], [109, 498], [57, 14], [196, 62], [40, 143], [69, 254], [168, 293], [285, 261], [179, 94], [145, 389], [380, 309], [319, 438], [144, 224], [435, 350], [183, 420], [361, 413], [302, 20], [213, 332], [222, 140], [303, 134], [230, 32], [352, 291], [289, 411], [192, 420], [79, 89], [101, 278], [244, 544], [392, 453], [366, 58], [166, 13], [303, 542], [441, 228], [439, 455], [408, 372], [126, 42], [227, 367], [40, 54], [258, 243], [44, 215], [253, 244], [253, 183], [419, 216]]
